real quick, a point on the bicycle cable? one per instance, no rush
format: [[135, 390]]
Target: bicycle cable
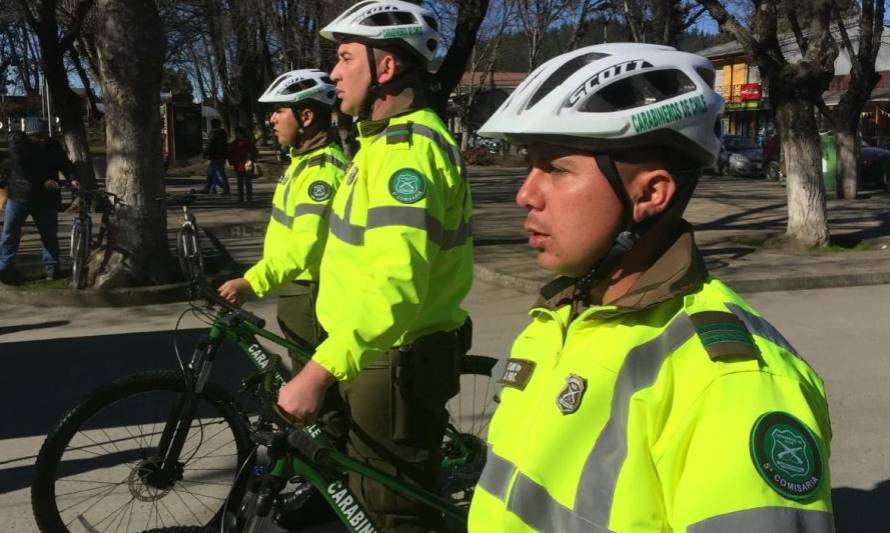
[[176, 340]]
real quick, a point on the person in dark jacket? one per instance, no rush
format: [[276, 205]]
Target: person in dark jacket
[[31, 174], [242, 155], [215, 152]]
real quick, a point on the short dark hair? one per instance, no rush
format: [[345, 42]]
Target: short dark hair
[[321, 111], [215, 123]]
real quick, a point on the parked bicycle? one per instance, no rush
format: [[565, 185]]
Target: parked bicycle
[[170, 450], [81, 236]]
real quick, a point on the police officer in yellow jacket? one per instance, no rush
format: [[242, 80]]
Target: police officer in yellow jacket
[[645, 395], [298, 228], [398, 262]]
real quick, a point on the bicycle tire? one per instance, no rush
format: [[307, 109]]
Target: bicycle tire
[[90, 440], [79, 254], [464, 448], [188, 250]]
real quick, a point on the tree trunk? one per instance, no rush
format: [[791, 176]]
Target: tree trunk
[[801, 148], [67, 106], [847, 163], [130, 47]]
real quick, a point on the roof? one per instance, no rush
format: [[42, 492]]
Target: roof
[[496, 79]]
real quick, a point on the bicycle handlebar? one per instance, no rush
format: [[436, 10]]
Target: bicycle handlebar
[[316, 452], [240, 314]]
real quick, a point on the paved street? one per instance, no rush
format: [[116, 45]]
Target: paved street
[[54, 355]]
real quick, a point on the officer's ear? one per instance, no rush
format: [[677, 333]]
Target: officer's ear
[[388, 66], [651, 191], [306, 117]]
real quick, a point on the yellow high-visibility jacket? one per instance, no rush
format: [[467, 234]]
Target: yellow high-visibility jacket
[[298, 229], [676, 409], [399, 258]]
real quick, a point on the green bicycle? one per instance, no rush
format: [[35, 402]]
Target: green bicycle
[[170, 450]]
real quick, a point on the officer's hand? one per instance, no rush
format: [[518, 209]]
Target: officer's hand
[[236, 291], [50, 185], [75, 184], [301, 398]]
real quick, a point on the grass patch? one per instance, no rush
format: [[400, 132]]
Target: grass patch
[[858, 247]]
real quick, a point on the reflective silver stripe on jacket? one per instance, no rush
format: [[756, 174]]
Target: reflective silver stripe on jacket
[[496, 475], [593, 498], [452, 151], [412, 217], [760, 327], [301, 209], [767, 520]]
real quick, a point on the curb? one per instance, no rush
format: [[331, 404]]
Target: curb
[[744, 286], [125, 297]]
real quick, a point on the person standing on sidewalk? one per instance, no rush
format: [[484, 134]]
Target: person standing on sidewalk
[[398, 263], [215, 154], [242, 155], [298, 229], [645, 395], [31, 174]]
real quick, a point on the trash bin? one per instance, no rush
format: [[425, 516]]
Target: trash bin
[[829, 162]]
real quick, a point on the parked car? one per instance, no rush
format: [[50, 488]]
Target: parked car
[[740, 156], [874, 163], [875, 166]]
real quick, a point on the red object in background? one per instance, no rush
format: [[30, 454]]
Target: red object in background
[[750, 91]]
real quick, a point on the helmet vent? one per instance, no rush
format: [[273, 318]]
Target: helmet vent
[[562, 74], [431, 22], [640, 90], [298, 86], [390, 18]]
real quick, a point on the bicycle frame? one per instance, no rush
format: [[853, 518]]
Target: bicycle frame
[[309, 454]]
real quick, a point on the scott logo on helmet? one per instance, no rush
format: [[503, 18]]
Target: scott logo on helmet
[[672, 112], [612, 72]]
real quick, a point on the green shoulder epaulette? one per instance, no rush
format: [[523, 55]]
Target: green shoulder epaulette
[[723, 335], [400, 133]]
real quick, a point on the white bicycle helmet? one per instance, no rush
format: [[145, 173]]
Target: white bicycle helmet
[[616, 96], [301, 85], [392, 22]]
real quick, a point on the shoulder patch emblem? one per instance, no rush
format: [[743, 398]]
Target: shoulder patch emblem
[[569, 398], [517, 372], [319, 191], [787, 455], [723, 335], [407, 186]]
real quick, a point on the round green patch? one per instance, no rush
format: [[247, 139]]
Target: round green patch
[[407, 186], [787, 455], [319, 191]]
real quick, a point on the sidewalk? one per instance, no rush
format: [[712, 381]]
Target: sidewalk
[[731, 217]]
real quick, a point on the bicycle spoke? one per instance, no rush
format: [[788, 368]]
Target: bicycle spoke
[[98, 497], [176, 492]]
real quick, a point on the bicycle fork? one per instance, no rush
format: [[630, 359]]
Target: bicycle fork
[[179, 421]]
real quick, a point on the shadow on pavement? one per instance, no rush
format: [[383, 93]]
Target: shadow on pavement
[[861, 510], [50, 376], [5, 330]]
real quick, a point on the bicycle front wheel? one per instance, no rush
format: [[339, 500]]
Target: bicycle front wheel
[[463, 447], [100, 468]]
